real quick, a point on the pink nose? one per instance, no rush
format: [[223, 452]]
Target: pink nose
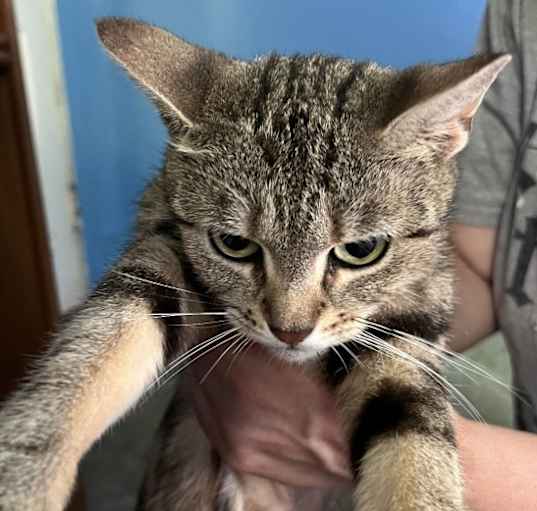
[[289, 337]]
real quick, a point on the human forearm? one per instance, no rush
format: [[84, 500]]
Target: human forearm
[[499, 466], [474, 308]]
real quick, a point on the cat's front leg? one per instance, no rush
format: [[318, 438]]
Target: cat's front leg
[[98, 365], [402, 442]]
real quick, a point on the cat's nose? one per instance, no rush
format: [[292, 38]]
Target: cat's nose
[[290, 337]]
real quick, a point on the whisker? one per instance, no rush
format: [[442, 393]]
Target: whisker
[[461, 363], [345, 366], [222, 355], [456, 360], [201, 345], [406, 336], [421, 343], [159, 284], [185, 300], [381, 347], [237, 351], [244, 340], [182, 314], [195, 349], [352, 354], [248, 346], [179, 369], [202, 323], [389, 349]]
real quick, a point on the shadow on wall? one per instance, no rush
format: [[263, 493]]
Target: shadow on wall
[[119, 139]]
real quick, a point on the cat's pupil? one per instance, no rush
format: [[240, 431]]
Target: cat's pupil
[[361, 249], [235, 243]]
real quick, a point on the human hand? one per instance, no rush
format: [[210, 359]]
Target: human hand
[[270, 419]]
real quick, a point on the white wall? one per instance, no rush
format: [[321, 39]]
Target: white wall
[[39, 44]]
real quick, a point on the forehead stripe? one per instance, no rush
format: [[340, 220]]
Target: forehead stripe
[[263, 92], [342, 90]]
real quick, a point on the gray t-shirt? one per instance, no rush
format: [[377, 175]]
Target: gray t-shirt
[[498, 187]]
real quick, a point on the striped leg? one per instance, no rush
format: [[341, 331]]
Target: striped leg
[[99, 364], [403, 450]]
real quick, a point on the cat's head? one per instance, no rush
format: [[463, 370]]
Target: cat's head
[[312, 192]]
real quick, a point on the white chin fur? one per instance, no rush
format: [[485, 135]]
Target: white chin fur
[[303, 353], [296, 356]]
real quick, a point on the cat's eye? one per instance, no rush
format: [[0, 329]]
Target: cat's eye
[[361, 253], [235, 247]]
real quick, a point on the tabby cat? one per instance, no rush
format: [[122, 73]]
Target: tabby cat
[[305, 200]]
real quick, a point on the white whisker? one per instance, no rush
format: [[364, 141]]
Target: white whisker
[[202, 323], [237, 339], [352, 354], [346, 367], [200, 346], [388, 348], [237, 351], [178, 370], [182, 314], [456, 360], [192, 351], [154, 283]]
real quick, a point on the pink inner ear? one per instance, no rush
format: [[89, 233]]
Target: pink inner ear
[[442, 122], [457, 136], [469, 111], [467, 123], [459, 129]]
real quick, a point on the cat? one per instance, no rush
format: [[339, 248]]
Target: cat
[[306, 200]]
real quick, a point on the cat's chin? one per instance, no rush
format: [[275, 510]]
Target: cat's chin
[[299, 355], [295, 355]]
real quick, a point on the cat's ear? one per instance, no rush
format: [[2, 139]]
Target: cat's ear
[[176, 74], [441, 103]]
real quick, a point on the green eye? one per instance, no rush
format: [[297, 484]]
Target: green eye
[[235, 247], [361, 253]]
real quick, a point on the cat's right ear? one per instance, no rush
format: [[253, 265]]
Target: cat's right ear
[[174, 73]]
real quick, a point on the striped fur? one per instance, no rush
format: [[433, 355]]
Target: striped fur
[[299, 154]]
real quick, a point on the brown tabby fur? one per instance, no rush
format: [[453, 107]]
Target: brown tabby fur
[[299, 154]]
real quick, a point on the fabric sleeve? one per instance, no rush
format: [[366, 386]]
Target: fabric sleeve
[[486, 165]]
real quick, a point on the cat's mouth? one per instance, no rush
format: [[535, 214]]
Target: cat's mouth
[[289, 350]]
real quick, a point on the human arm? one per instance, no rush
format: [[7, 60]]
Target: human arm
[[474, 310], [499, 466], [498, 463]]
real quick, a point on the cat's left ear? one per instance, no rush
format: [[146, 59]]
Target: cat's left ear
[[175, 74], [441, 103]]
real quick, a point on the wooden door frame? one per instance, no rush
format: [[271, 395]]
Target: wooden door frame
[[27, 173], [11, 64], [41, 63]]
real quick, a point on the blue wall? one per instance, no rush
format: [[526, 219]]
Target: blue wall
[[118, 137]]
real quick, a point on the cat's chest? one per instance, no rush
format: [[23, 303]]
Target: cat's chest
[[252, 493]]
